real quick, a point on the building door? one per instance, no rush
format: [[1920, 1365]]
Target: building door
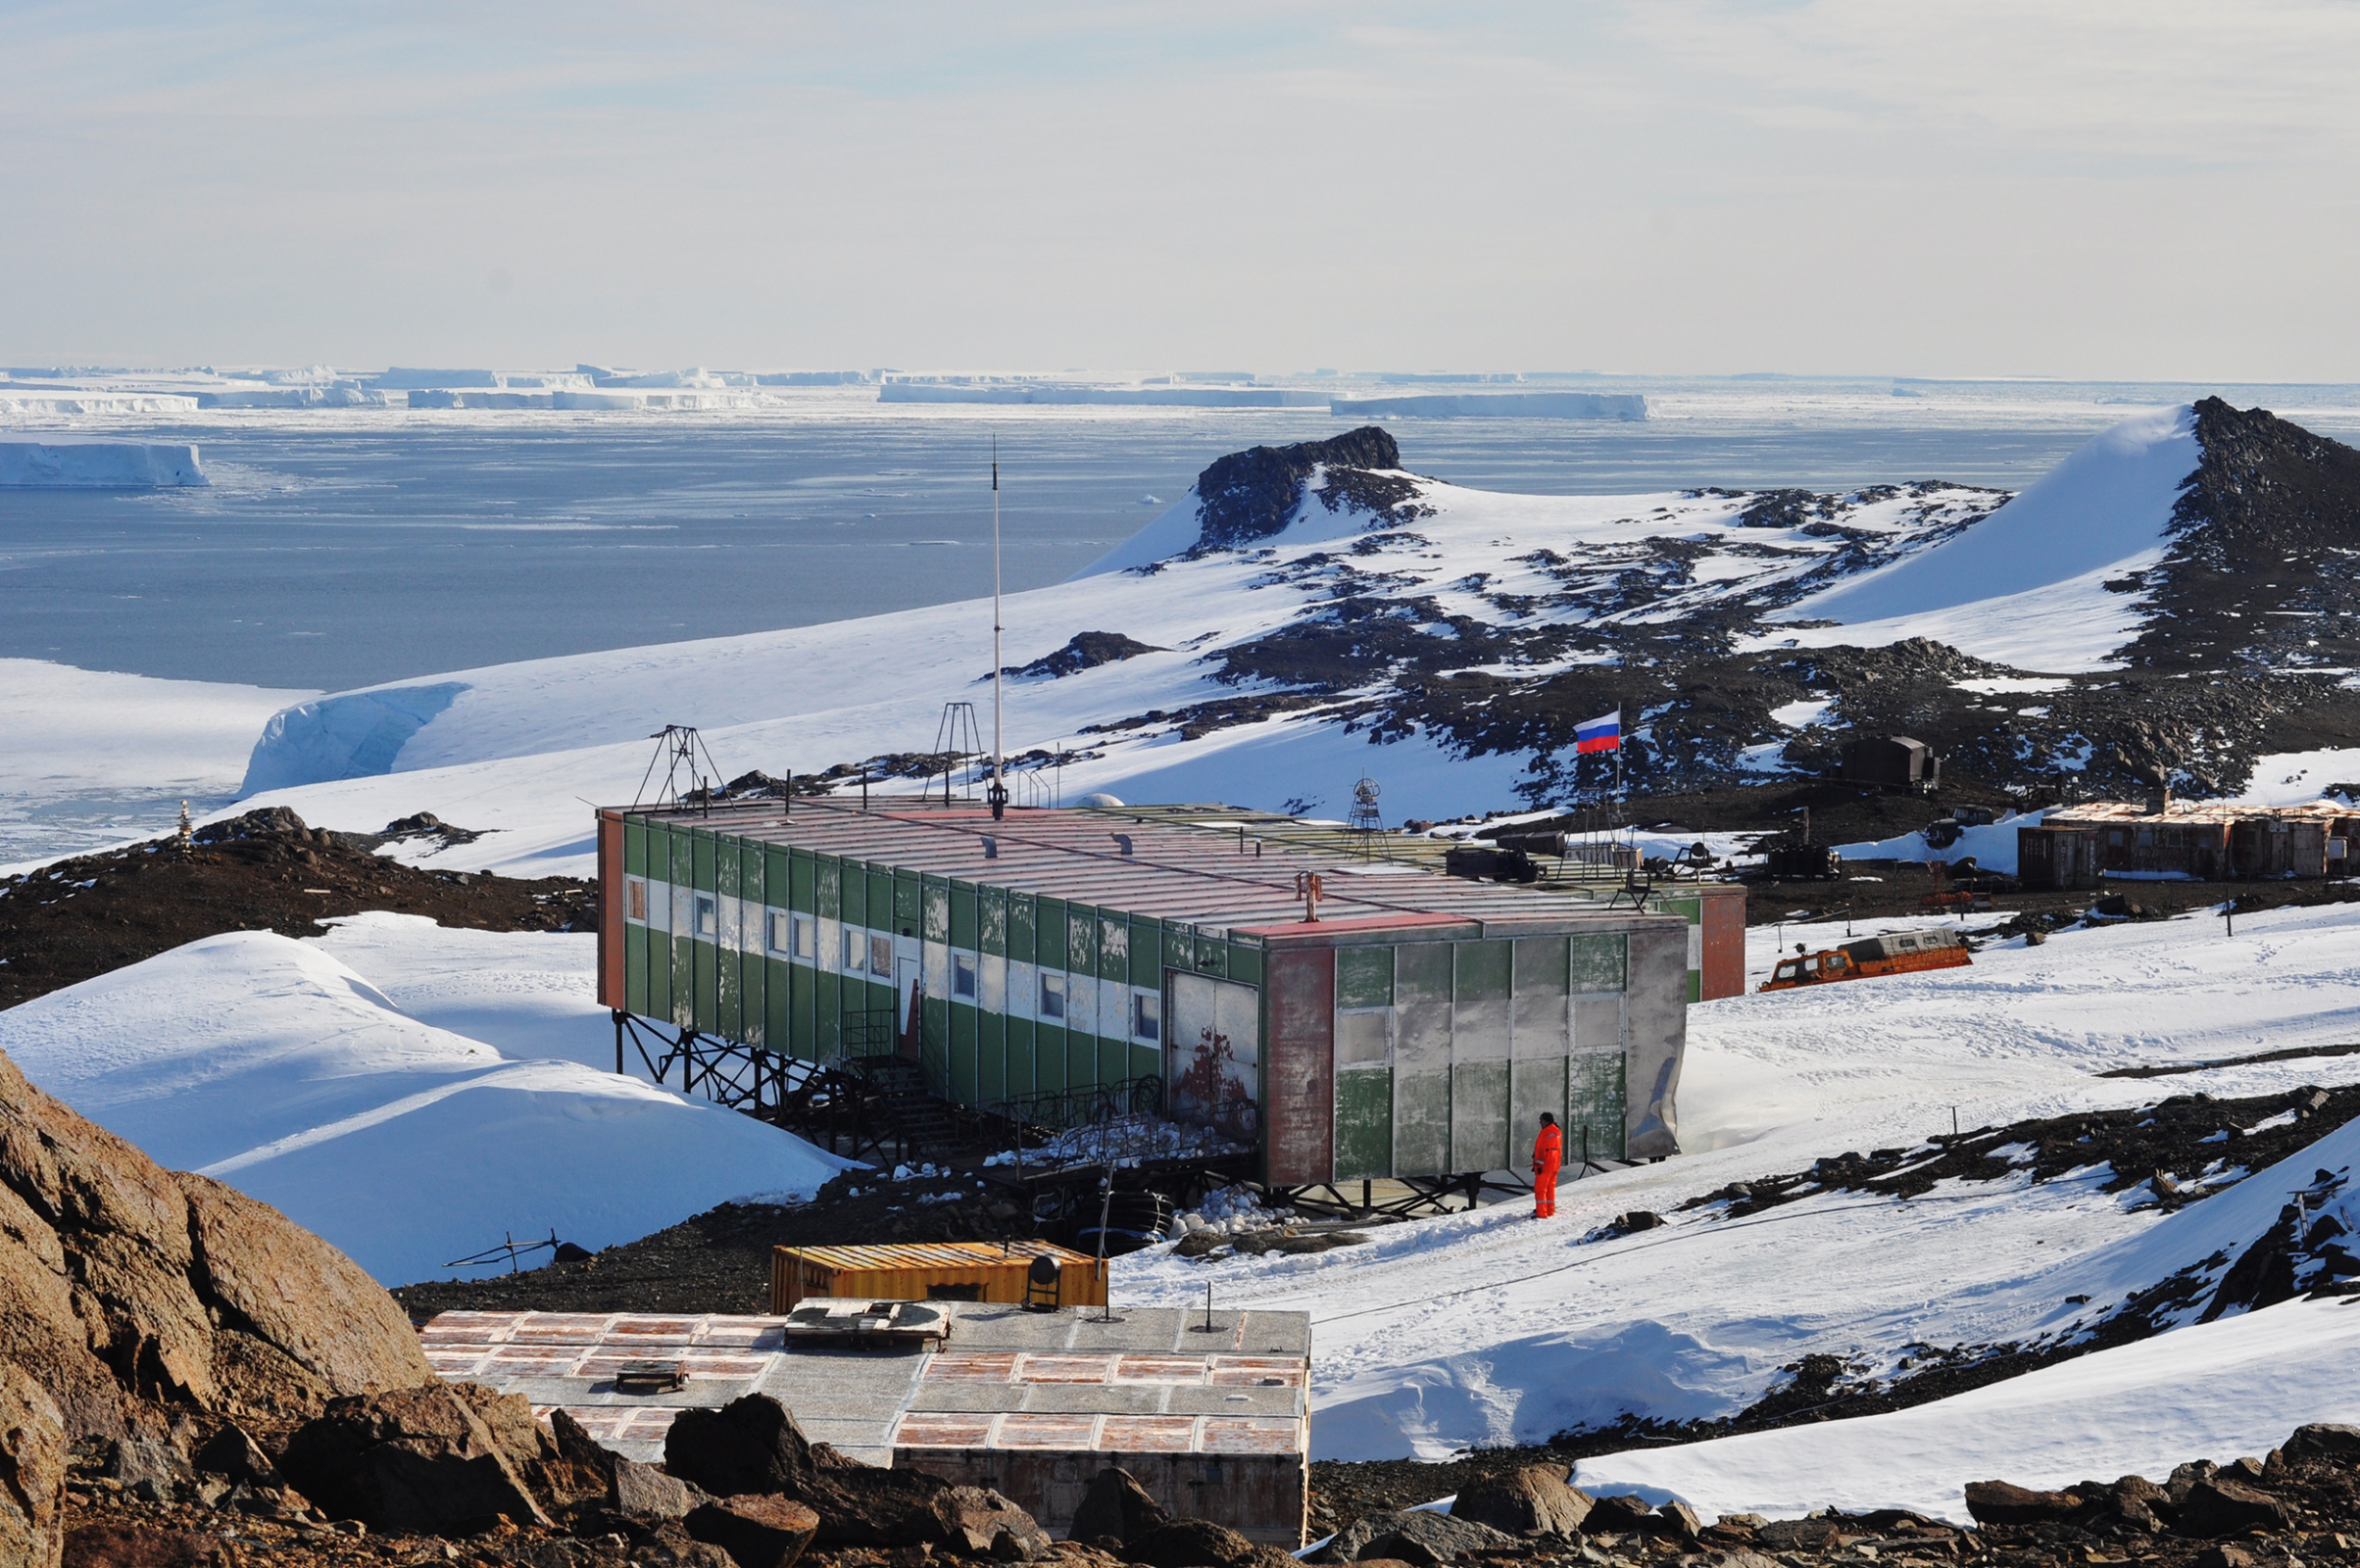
[[906, 1008], [1213, 1051]]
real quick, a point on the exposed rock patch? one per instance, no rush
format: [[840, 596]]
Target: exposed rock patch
[[122, 1284], [1250, 495]]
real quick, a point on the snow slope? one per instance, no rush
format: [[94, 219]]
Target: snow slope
[[513, 746], [1491, 1327], [525, 993], [2025, 586], [270, 1065], [2219, 1391]]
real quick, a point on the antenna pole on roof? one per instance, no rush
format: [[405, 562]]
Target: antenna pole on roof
[[998, 793]]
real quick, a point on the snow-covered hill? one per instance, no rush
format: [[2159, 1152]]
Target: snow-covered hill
[[277, 1068], [1311, 614]]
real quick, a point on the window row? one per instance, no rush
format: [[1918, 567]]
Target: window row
[[870, 954]]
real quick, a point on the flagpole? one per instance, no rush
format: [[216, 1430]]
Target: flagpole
[[998, 793]]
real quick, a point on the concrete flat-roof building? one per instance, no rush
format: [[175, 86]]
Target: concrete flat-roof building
[[1210, 1410], [1416, 1028]]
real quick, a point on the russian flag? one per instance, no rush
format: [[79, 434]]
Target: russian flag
[[1602, 734]]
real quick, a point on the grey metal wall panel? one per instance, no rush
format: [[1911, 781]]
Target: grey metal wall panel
[[1656, 1024], [1421, 1075]]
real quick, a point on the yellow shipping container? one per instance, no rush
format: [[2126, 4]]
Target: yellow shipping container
[[931, 1272]]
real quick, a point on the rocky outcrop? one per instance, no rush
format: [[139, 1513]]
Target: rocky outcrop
[[752, 1445], [32, 1473], [1997, 1503], [757, 1532], [1116, 1507], [1084, 650], [1249, 496], [1414, 1534], [122, 1284], [1202, 1544], [1534, 1500], [437, 1459]]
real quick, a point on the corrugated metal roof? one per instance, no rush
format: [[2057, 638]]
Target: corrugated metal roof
[[933, 1255], [2186, 811], [1174, 871]]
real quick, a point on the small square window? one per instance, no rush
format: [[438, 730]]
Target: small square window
[[880, 958], [801, 942], [962, 975], [709, 916], [1147, 1018], [1053, 996], [855, 951], [635, 900]]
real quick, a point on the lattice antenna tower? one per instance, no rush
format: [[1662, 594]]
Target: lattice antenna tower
[[956, 737], [680, 751], [1366, 820]]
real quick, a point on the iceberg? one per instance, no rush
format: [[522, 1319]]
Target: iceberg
[[1498, 406], [99, 465]]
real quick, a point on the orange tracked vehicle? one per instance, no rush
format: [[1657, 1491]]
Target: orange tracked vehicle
[[1898, 952]]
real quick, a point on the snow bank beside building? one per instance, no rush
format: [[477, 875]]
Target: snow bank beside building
[[269, 1065], [99, 465]]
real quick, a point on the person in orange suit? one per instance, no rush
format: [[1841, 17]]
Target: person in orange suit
[[1549, 1153]]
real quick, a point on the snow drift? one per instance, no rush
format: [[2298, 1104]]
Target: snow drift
[[267, 1063], [2027, 584], [2224, 1390], [99, 465]]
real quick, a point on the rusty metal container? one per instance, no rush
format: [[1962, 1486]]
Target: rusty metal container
[[931, 1272]]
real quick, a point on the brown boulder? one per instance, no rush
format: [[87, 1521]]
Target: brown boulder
[[233, 1454], [120, 1281], [32, 1473], [982, 1523], [1202, 1544], [415, 1459], [1116, 1507], [134, 1546], [751, 1445], [1997, 1503], [2321, 1440], [1417, 1536], [2220, 1507], [1618, 1514], [757, 1532], [1532, 1501]]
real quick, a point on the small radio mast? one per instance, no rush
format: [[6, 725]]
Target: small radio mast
[[998, 793]]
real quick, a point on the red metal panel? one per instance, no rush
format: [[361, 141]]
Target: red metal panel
[[1298, 1064], [1724, 917], [609, 910]]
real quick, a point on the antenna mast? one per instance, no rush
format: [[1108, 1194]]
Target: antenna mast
[[998, 793]]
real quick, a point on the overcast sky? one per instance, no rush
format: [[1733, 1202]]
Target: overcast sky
[[2140, 189]]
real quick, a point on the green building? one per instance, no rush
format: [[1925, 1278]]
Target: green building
[[1416, 1028]]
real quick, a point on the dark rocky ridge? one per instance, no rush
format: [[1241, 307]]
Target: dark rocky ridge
[[266, 871], [2258, 588], [2260, 575], [1084, 650], [1249, 496]]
